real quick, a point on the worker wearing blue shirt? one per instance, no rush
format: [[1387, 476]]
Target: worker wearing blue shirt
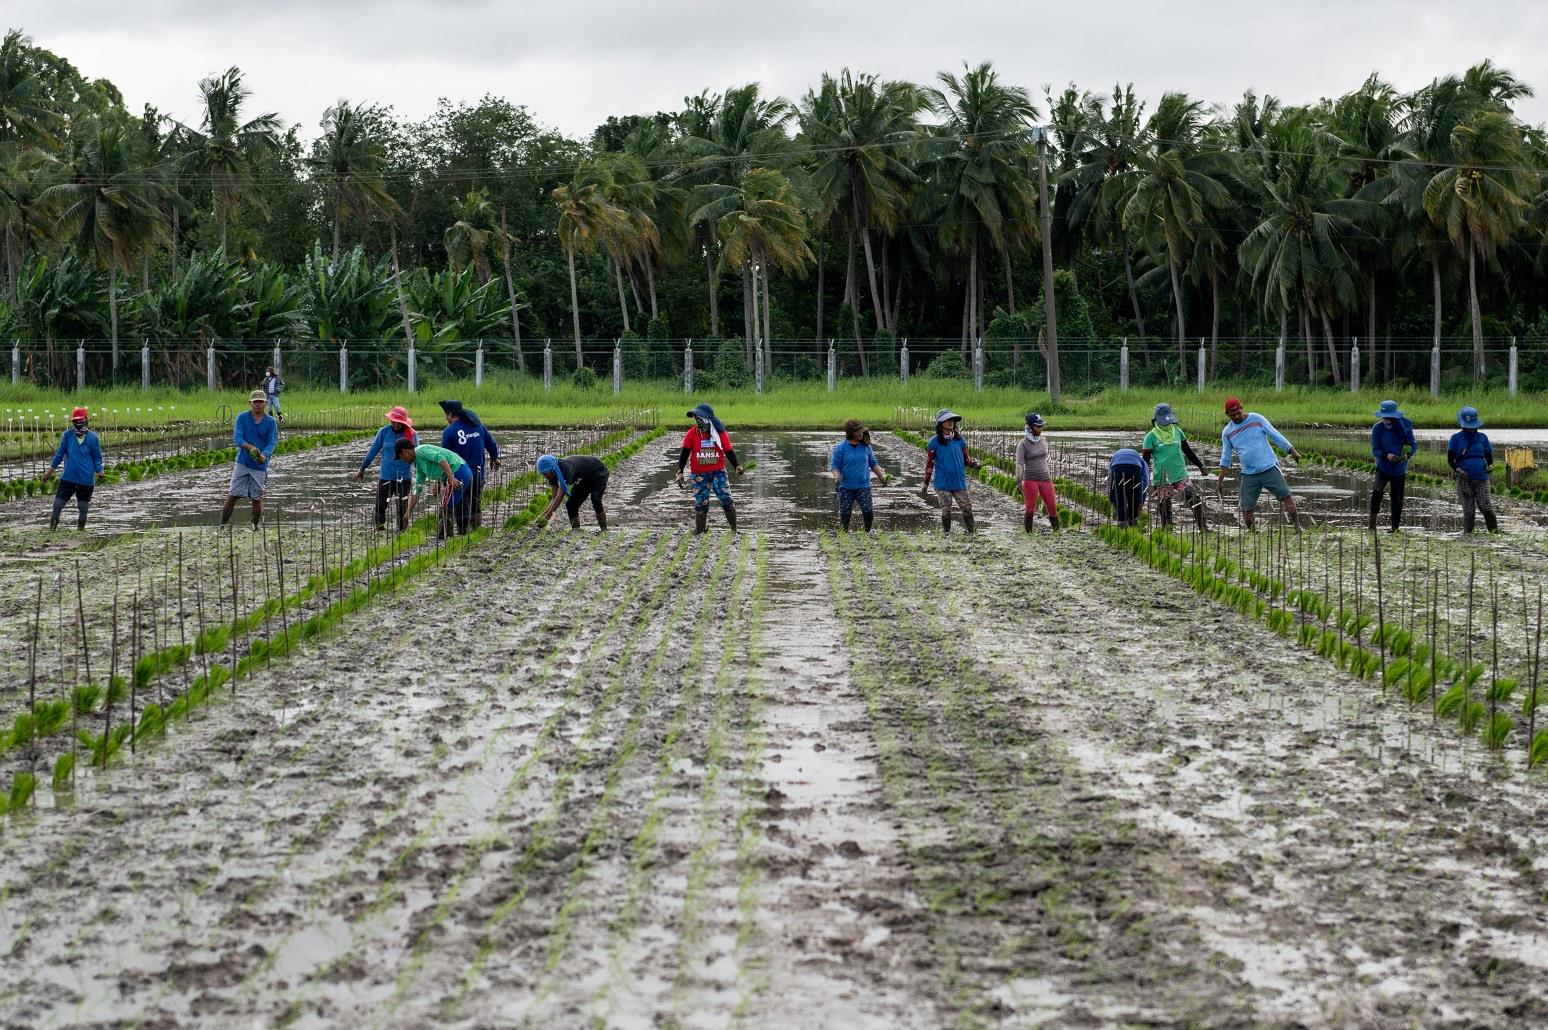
[[1392, 444], [1252, 438], [1470, 456], [468, 438], [78, 461], [396, 476], [255, 434], [851, 466]]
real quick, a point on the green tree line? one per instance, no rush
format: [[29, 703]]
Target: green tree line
[[867, 210]]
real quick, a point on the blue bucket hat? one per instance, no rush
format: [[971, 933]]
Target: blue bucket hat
[[1468, 418], [947, 415], [1390, 409], [1164, 415], [1034, 419]]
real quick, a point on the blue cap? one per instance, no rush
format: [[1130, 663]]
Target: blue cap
[[1163, 415], [1468, 418], [1034, 419]]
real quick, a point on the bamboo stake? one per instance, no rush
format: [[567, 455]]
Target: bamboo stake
[[107, 728], [1537, 656], [134, 680], [231, 552], [182, 615], [1381, 619]]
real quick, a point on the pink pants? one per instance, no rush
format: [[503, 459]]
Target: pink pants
[[1032, 489]]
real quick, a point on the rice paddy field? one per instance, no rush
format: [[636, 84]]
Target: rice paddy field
[[320, 775]]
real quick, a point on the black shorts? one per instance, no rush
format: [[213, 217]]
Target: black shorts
[[590, 487]]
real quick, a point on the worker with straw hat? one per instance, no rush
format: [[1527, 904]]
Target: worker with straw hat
[[396, 476], [78, 461], [255, 434]]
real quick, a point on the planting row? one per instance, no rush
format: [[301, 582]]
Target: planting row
[[344, 587]]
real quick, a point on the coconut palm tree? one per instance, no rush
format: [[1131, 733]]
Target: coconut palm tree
[[1481, 199], [1174, 193], [110, 206], [347, 159], [984, 176], [221, 149], [585, 219], [468, 239], [861, 131], [761, 223], [1112, 142]]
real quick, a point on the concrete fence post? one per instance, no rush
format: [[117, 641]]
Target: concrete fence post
[[278, 368], [344, 366], [688, 367], [478, 366], [832, 367], [144, 365], [1511, 383], [1354, 366], [978, 363], [80, 365], [1435, 371], [903, 362], [413, 369], [1123, 366], [209, 367], [548, 365], [617, 367], [758, 369], [1203, 365], [1279, 369], [15, 363]]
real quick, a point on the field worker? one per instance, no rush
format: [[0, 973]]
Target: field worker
[[1167, 450], [273, 386], [434, 464], [705, 453], [78, 462], [1252, 438], [1128, 479], [946, 463], [255, 434], [465, 434], [396, 476], [572, 481], [851, 466], [1032, 473], [1392, 444], [1471, 457]]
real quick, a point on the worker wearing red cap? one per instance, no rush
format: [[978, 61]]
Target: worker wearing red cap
[[78, 462], [1251, 438]]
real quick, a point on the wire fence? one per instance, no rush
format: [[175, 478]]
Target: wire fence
[[1086, 365]]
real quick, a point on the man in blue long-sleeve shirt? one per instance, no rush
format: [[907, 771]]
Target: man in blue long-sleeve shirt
[[396, 476], [1252, 438], [255, 434], [1392, 444], [78, 461], [1470, 456], [469, 439]]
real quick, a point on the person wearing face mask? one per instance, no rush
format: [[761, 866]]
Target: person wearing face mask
[[78, 462], [396, 476], [1032, 473], [1168, 452], [705, 453]]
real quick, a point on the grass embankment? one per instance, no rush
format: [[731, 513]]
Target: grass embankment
[[510, 401]]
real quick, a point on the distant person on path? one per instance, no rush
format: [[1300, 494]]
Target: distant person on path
[[396, 476], [1032, 473], [465, 434], [1471, 457], [946, 463], [1252, 438], [434, 464], [1167, 450], [1392, 444], [851, 465], [255, 434], [78, 462], [705, 453], [1128, 479], [573, 480], [273, 386]]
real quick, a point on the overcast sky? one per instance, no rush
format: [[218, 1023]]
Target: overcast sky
[[575, 62]]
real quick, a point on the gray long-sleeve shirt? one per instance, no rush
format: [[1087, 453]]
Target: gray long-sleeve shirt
[[1032, 459]]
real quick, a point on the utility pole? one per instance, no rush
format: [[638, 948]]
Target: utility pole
[[1050, 316]]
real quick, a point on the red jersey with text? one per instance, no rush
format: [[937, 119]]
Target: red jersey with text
[[706, 453]]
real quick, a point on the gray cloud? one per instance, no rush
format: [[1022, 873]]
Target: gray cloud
[[575, 63]]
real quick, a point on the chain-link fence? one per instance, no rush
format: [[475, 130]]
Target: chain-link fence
[[1087, 365]]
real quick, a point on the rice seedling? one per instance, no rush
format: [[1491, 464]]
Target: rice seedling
[[20, 795]]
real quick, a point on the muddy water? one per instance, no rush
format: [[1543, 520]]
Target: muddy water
[[640, 779]]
